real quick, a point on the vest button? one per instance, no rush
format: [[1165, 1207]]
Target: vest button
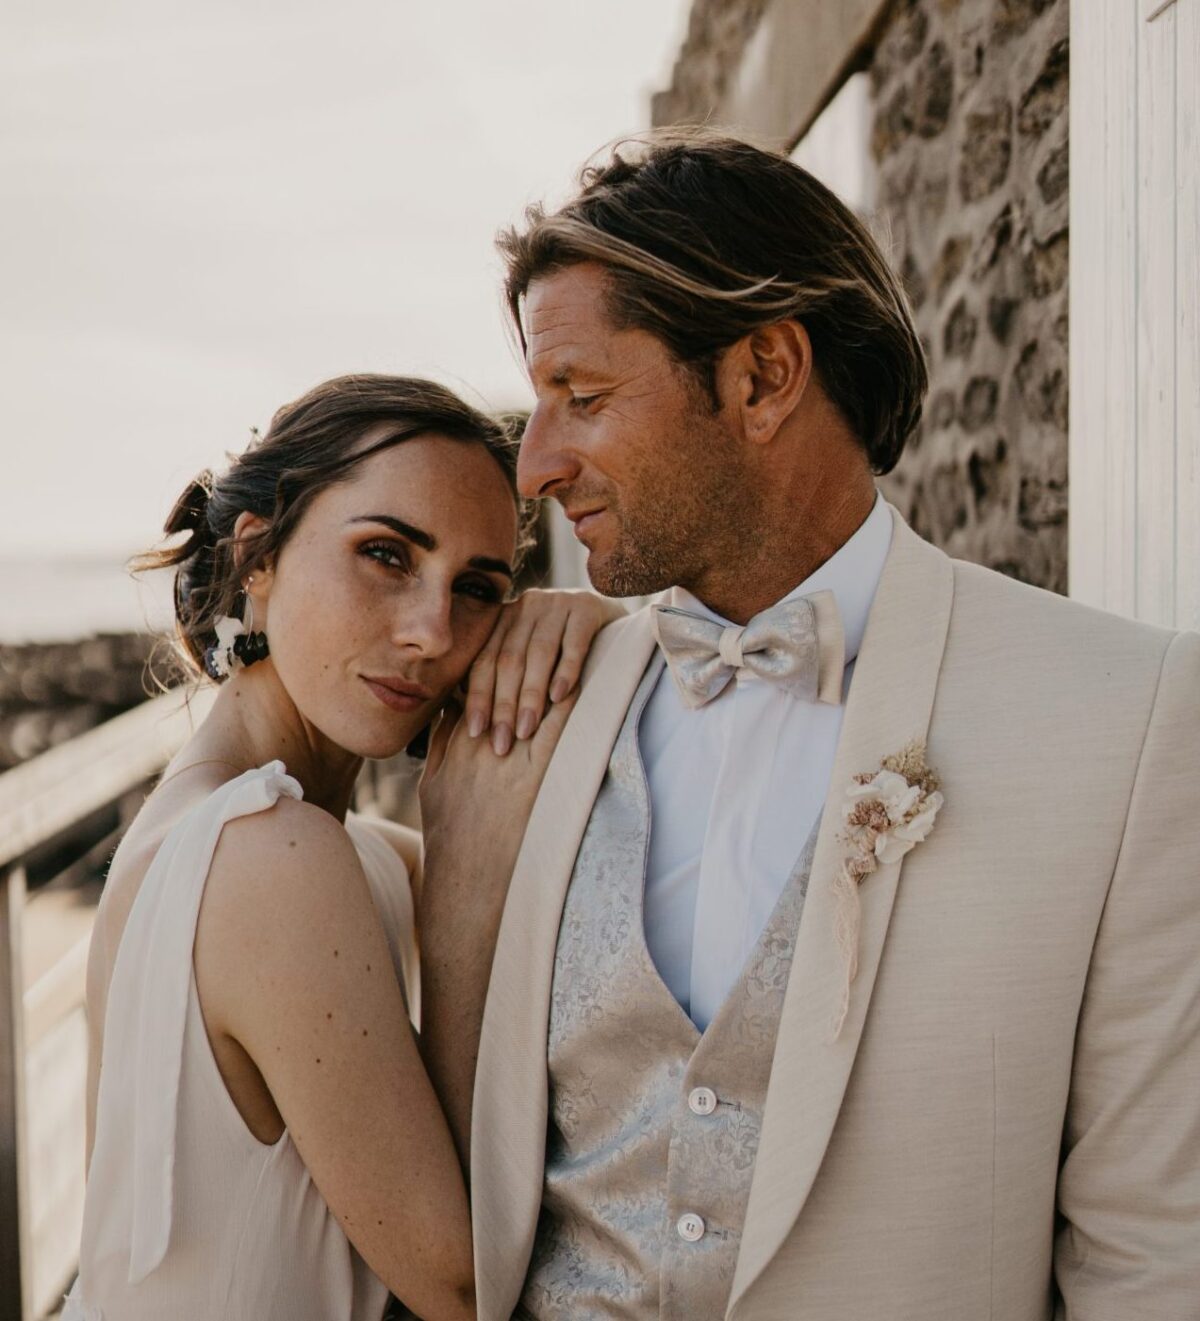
[[702, 1100], [690, 1227]]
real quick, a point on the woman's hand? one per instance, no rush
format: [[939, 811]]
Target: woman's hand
[[535, 653], [475, 803]]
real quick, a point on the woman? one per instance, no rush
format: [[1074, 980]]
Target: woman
[[263, 1139]]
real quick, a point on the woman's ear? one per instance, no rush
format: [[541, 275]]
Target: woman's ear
[[249, 525]]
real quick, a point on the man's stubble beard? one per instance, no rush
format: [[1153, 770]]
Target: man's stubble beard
[[672, 526]]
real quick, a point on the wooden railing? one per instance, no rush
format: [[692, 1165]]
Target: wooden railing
[[65, 811]]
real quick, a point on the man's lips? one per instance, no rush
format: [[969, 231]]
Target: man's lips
[[584, 519], [398, 694]]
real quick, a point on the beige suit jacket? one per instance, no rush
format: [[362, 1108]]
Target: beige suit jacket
[[1008, 1126]]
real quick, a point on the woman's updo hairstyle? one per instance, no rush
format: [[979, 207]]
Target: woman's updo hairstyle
[[311, 444]]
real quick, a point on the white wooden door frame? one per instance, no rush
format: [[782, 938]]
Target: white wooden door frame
[[1134, 541]]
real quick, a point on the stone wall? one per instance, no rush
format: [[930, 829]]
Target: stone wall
[[718, 31], [970, 147], [970, 141], [51, 692]]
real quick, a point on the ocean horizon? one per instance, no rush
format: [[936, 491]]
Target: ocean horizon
[[63, 599]]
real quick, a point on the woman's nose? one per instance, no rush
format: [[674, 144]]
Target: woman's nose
[[544, 463], [424, 622]]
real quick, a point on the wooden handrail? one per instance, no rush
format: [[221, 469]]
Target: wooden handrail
[[45, 796], [38, 802]]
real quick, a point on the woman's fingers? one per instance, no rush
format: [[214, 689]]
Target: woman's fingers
[[540, 658], [535, 655], [582, 627], [510, 673], [547, 734], [481, 681]]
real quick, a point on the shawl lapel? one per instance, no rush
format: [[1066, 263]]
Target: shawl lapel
[[510, 1108], [890, 704]]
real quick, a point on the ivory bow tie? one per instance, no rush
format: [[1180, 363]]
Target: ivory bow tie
[[797, 644]]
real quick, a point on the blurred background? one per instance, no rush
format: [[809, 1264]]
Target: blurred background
[[210, 210]]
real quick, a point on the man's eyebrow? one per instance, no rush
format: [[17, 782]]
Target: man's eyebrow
[[561, 368], [560, 375], [427, 541]]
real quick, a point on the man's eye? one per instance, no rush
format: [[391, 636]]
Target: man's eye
[[387, 553], [583, 401]]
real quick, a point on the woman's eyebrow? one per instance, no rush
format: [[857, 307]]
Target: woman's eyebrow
[[427, 541], [418, 536]]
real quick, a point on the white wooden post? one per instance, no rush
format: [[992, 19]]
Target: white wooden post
[[15, 1264], [1135, 297]]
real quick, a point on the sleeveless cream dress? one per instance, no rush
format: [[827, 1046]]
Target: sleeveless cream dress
[[188, 1216]]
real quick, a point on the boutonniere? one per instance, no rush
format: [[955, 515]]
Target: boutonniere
[[887, 812]]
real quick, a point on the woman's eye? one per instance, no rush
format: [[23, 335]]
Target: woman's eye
[[387, 553], [480, 589]]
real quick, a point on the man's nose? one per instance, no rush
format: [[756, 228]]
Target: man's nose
[[544, 463], [423, 624]]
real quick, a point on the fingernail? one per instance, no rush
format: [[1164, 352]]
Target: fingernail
[[501, 740], [475, 724], [558, 690], [526, 724]]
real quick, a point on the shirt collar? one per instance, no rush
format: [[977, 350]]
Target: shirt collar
[[851, 573]]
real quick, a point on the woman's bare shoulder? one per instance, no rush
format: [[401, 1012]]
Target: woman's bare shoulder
[[292, 851], [285, 888]]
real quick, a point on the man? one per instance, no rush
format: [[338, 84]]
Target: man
[[749, 1051]]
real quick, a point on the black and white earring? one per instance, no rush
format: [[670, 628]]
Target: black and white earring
[[237, 645]]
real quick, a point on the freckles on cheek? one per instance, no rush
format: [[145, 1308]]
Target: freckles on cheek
[[339, 634]]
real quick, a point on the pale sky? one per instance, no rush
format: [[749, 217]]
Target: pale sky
[[209, 209]]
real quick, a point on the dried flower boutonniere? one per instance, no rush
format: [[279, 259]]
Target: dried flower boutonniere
[[887, 813]]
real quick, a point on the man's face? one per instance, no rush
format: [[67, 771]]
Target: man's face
[[626, 441]]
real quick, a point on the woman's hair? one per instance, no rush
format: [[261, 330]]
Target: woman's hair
[[706, 238], [311, 444]]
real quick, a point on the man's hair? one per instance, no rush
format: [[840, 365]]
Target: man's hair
[[707, 238]]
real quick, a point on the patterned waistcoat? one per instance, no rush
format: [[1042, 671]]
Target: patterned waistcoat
[[653, 1127]]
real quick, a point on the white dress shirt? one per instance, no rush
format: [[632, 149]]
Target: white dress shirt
[[736, 787]]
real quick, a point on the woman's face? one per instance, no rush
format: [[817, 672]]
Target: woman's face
[[387, 589]]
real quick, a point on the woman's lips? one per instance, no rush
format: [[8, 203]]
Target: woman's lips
[[408, 697]]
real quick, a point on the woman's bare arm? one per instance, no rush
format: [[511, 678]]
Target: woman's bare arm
[[292, 964], [475, 805]]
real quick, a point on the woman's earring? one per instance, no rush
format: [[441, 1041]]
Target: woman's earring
[[238, 645]]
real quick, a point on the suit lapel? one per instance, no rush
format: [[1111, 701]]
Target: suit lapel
[[509, 1115], [890, 704]]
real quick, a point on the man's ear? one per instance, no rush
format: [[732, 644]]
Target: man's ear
[[764, 376]]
